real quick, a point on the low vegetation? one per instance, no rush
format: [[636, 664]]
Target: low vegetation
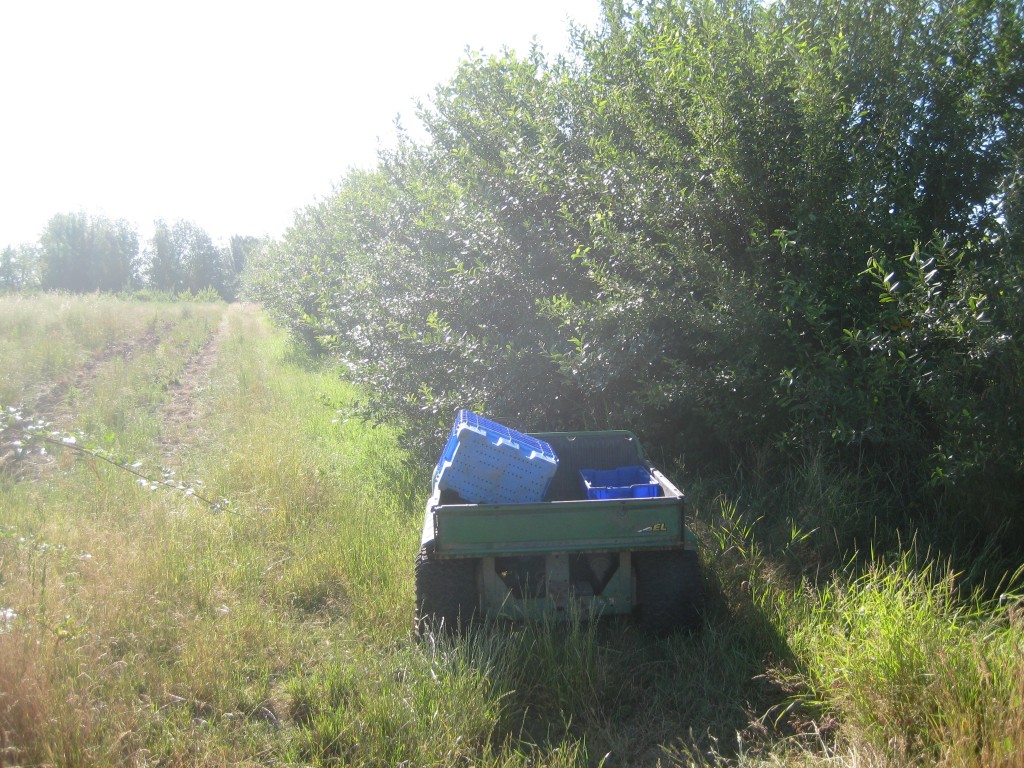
[[140, 624]]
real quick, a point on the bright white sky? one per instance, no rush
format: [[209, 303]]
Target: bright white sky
[[232, 114]]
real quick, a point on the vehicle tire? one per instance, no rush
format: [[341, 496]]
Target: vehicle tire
[[669, 591], [446, 593]]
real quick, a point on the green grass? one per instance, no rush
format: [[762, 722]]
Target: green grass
[[152, 629], [44, 337], [885, 662], [911, 668]]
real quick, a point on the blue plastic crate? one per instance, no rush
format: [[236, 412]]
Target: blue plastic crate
[[487, 463], [621, 483]]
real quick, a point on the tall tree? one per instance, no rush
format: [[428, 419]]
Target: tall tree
[[240, 247], [8, 269], [163, 267], [115, 255], [19, 267], [236, 258], [65, 254], [183, 257], [742, 228], [203, 263], [84, 253]]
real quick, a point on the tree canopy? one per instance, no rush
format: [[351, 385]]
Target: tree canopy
[[88, 253], [744, 230], [81, 253]]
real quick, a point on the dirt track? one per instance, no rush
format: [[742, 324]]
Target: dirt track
[[181, 413], [51, 403]]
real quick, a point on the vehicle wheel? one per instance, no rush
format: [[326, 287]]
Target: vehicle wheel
[[669, 591], [446, 593]]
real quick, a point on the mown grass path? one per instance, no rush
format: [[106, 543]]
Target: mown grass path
[[181, 411], [138, 625]]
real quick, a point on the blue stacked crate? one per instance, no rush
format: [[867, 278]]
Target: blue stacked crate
[[487, 463], [620, 483]]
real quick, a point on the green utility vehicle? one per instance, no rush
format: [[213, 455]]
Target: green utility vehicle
[[566, 552]]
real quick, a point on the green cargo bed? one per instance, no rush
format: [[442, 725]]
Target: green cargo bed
[[605, 555], [566, 521]]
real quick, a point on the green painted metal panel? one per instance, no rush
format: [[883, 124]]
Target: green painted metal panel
[[568, 526], [552, 558], [565, 521]]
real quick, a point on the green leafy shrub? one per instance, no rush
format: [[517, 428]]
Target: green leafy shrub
[[670, 232]]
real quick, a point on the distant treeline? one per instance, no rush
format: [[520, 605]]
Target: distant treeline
[[82, 253], [779, 239]]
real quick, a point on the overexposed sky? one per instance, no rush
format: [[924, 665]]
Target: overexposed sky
[[231, 114]]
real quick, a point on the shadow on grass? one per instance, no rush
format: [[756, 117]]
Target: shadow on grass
[[630, 698]]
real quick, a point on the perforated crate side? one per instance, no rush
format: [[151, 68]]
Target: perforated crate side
[[488, 463]]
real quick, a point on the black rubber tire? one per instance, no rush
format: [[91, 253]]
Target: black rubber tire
[[447, 599], [669, 591]]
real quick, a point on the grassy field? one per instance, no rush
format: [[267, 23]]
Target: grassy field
[[142, 625]]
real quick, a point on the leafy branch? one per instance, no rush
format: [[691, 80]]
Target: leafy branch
[[22, 435]]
